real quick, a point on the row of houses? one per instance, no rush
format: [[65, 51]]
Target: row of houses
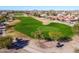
[[5, 17], [66, 16]]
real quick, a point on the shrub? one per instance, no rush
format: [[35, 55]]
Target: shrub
[[38, 35], [76, 28], [55, 35], [51, 36], [46, 37], [5, 41], [64, 39]]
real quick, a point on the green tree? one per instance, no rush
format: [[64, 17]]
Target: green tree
[[38, 35], [76, 28], [5, 41]]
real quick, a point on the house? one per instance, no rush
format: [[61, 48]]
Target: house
[[43, 15], [2, 29], [52, 17]]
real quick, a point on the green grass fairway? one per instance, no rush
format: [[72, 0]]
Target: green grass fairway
[[19, 15], [57, 27], [28, 25]]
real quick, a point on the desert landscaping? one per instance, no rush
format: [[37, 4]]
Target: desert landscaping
[[39, 32]]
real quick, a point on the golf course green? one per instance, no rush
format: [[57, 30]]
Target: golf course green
[[29, 25]]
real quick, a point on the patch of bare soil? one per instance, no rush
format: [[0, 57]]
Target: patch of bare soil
[[43, 20], [14, 22], [15, 34], [69, 47]]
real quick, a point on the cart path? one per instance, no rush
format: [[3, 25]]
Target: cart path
[[69, 47], [48, 21]]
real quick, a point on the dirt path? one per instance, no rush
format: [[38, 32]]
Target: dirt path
[[13, 22], [69, 47], [45, 21], [48, 21]]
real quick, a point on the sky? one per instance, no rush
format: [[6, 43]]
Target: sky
[[39, 7]]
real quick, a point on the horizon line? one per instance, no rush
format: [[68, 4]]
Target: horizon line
[[39, 8]]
